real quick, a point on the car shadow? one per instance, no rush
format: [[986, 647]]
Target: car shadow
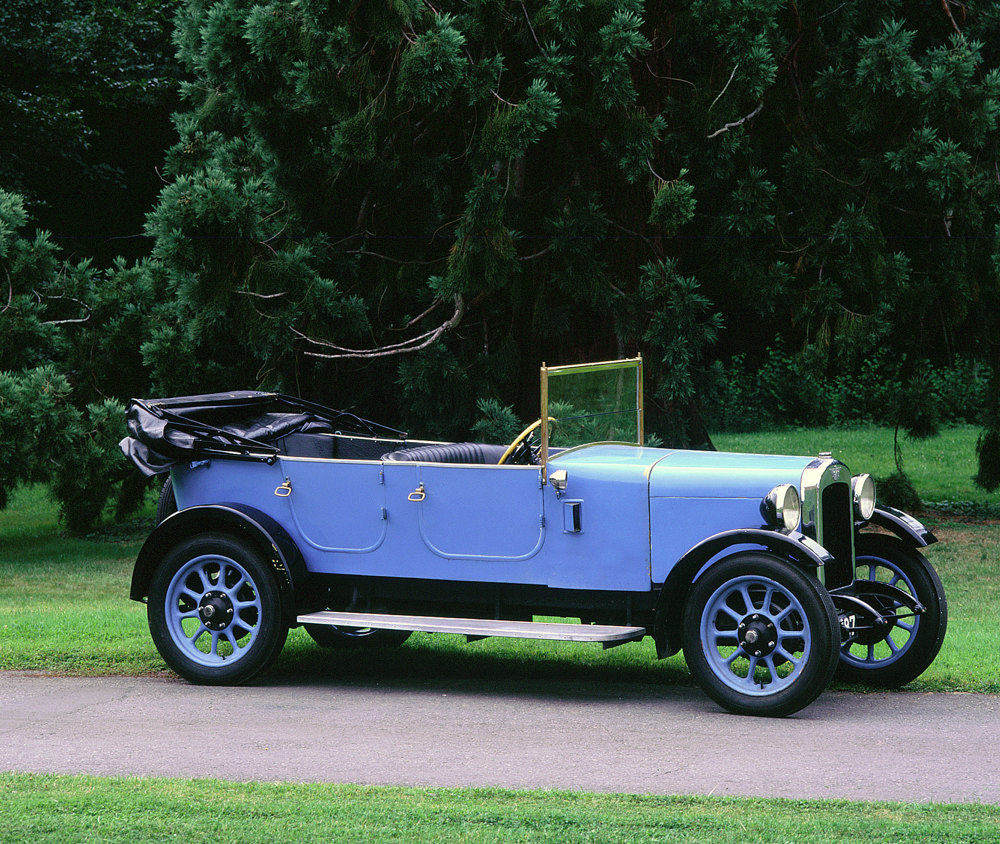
[[573, 672]]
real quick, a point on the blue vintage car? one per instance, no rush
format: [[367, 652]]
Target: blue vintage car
[[772, 573]]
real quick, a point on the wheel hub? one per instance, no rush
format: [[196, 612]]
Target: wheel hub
[[216, 610], [758, 636]]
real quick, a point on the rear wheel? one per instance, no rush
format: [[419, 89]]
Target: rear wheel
[[331, 636], [899, 652], [166, 504], [214, 610], [761, 637]]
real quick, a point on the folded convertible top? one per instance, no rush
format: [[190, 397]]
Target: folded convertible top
[[243, 424]]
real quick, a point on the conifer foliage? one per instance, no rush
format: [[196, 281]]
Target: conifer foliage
[[404, 207], [426, 195]]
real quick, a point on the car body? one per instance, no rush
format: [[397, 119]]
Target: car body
[[762, 568]]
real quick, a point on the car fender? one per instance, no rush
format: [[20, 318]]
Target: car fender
[[908, 529], [804, 552], [239, 520]]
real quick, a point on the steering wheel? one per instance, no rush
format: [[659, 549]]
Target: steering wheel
[[521, 451]]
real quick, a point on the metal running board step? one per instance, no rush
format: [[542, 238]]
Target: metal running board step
[[479, 627]]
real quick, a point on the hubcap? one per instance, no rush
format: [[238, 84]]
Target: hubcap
[[216, 610], [757, 635]]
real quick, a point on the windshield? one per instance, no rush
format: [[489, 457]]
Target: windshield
[[594, 402]]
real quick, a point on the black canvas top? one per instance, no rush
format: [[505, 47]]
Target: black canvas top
[[238, 424]]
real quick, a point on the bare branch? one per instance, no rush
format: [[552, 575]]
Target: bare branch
[[66, 321], [414, 344], [947, 11], [10, 290], [538, 254], [739, 122], [725, 87], [527, 17], [262, 295], [417, 319], [83, 305], [396, 260]]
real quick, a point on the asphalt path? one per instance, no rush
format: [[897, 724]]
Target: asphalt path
[[600, 737]]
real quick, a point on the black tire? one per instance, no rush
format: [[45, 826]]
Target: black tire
[[761, 637], [215, 610], [166, 504], [915, 641], [328, 636]]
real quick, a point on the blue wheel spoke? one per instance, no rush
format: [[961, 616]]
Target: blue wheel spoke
[[780, 651], [766, 605], [909, 628], [781, 616], [772, 671], [735, 616]]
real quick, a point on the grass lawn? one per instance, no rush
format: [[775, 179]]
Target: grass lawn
[[81, 809], [940, 467]]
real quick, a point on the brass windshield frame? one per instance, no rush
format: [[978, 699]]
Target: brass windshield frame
[[548, 371]]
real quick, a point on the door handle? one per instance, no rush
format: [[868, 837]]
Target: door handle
[[419, 494]]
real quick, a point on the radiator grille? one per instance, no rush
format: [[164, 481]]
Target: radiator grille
[[838, 534]]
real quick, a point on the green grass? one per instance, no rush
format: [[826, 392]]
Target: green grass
[[941, 467], [82, 809]]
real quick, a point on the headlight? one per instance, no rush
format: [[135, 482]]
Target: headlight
[[863, 488], [782, 507]]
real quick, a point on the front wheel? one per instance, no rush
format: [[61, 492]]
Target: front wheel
[[897, 653], [760, 636], [214, 611]]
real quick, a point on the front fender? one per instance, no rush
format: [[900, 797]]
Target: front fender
[[806, 553], [912, 532], [258, 529]]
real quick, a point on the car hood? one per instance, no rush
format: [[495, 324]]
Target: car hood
[[678, 473]]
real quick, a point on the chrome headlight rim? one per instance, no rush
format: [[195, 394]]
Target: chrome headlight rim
[[782, 507], [863, 493]]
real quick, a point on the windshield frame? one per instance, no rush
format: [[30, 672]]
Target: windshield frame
[[581, 368]]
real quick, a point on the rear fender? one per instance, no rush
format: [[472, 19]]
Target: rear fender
[[793, 546], [263, 533]]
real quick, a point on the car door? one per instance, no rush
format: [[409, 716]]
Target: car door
[[467, 512], [336, 505]]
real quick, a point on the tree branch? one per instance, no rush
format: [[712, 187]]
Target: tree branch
[[947, 11], [415, 344], [10, 290], [725, 87], [739, 122]]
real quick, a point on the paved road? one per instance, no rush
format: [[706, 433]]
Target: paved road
[[518, 734]]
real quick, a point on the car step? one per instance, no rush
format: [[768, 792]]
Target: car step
[[480, 628]]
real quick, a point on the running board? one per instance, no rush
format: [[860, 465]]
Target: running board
[[480, 628]]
